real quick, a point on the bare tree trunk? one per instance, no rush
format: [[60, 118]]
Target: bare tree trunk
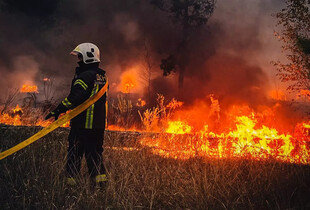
[[149, 88], [181, 82], [149, 65], [183, 57]]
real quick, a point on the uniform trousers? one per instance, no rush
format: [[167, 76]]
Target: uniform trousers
[[89, 142]]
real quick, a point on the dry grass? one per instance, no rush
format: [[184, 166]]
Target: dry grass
[[34, 179]]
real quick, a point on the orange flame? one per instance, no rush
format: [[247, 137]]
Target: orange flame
[[278, 95], [141, 102], [245, 141], [240, 132], [305, 125], [243, 133], [29, 89], [173, 104], [17, 109], [15, 119], [178, 127], [305, 93], [128, 82], [7, 119]]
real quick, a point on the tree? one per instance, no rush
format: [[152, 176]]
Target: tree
[[304, 44], [148, 69], [294, 22], [188, 14]]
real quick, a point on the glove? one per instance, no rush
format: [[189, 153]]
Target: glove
[[54, 113]]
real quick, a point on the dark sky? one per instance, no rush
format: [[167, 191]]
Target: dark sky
[[230, 56]]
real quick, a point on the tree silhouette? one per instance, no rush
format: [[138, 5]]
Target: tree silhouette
[[188, 14], [294, 22], [304, 44]]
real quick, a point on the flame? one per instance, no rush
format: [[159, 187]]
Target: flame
[[278, 95], [173, 104], [17, 109], [46, 79], [141, 102], [9, 120], [239, 133], [14, 118], [305, 125], [178, 127], [304, 93], [244, 141], [205, 130], [29, 89], [129, 81], [259, 141]]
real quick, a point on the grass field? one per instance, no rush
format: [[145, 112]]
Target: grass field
[[34, 178]]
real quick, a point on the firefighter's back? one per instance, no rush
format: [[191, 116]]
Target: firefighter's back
[[93, 117]]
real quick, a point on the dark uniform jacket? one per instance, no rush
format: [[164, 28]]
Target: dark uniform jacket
[[87, 81]]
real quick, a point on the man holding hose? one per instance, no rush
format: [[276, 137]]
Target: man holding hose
[[87, 129]]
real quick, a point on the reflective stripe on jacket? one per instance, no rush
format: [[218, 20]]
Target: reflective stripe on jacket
[[86, 83]]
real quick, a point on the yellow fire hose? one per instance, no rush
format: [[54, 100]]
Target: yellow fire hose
[[76, 111]]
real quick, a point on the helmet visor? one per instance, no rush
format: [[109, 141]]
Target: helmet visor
[[75, 53]]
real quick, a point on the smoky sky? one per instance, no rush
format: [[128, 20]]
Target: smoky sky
[[226, 56]]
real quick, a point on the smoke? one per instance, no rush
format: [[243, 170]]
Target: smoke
[[228, 57], [23, 71]]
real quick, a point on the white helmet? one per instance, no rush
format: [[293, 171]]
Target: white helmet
[[89, 51]]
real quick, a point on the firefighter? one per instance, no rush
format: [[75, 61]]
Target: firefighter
[[87, 129]]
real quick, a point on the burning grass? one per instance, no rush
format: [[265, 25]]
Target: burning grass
[[201, 131], [34, 178], [198, 157]]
